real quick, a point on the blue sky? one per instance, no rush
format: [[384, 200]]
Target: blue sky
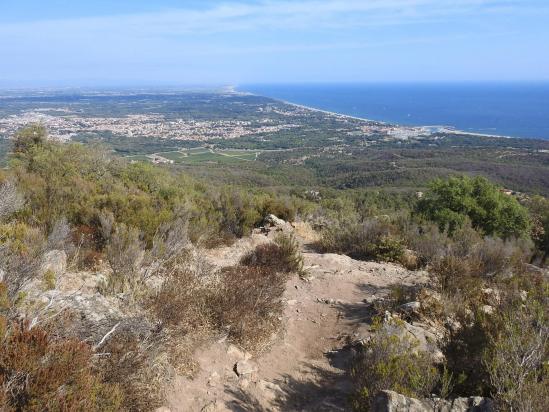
[[168, 42]]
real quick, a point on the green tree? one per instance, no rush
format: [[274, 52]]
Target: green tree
[[33, 135], [450, 203]]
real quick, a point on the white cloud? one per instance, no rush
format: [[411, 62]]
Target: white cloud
[[274, 15]]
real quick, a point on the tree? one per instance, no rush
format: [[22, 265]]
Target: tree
[[450, 203], [33, 135]]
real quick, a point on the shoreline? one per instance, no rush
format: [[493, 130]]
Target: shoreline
[[445, 129]]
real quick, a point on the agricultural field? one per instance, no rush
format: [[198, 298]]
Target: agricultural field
[[199, 155]]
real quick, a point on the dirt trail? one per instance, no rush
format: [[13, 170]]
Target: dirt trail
[[304, 368]]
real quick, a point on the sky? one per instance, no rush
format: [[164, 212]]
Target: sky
[[167, 43]]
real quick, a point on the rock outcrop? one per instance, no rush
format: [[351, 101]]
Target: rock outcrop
[[389, 401]]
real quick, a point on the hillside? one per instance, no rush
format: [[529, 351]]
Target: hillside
[[132, 286]]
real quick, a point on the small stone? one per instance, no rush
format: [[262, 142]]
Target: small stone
[[291, 302]]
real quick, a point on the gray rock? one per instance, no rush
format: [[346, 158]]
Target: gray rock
[[274, 221], [410, 308], [55, 261], [389, 401], [426, 339]]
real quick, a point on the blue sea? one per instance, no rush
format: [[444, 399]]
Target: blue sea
[[517, 109]]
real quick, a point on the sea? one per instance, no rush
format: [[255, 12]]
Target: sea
[[503, 109]]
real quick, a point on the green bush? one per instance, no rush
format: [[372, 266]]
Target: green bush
[[82, 183], [450, 203]]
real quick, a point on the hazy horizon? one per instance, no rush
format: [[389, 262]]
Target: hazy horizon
[[171, 43]]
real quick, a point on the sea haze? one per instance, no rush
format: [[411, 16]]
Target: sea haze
[[518, 109]]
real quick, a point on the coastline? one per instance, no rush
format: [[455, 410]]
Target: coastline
[[444, 128]]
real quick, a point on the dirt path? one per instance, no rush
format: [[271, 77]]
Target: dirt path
[[304, 368]]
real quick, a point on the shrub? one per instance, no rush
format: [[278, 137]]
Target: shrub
[[183, 302], [464, 353], [248, 304], [125, 253], [372, 239], [283, 255], [539, 209], [517, 357], [10, 199], [21, 250], [450, 203], [49, 279], [494, 256], [427, 241], [40, 373], [60, 236], [388, 362], [130, 366]]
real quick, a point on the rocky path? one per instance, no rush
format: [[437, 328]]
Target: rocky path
[[303, 370]]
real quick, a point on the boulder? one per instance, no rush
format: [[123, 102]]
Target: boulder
[[389, 401], [54, 261], [410, 308], [427, 340], [274, 221]]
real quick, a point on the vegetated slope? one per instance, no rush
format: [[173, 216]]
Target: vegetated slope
[[149, 279]]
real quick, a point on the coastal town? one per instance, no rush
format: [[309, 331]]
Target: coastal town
[[63, 125], [65, 122]]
